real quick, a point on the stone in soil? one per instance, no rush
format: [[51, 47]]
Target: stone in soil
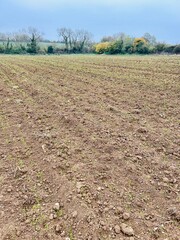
[[58, 228], [127, 230], [74, 214], [56, 206], [126, 216], [117, 229]]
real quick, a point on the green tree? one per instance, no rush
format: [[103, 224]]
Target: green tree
[[177, 49], [160, 47], [32, 47], [127, 45], [50, 50], [8, 46], [116, 47], [141, 46], [169, 48], [35, 36]]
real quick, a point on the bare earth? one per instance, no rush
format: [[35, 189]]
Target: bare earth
[[89, 147]]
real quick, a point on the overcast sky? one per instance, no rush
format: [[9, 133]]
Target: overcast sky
[[101, 17]]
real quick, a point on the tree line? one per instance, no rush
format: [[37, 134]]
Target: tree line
[[28, 41], [123, 44]]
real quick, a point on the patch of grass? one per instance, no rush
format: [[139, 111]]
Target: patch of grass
[[40, 176], [20, 163], [59, 213], [38, 221], [71, 235]]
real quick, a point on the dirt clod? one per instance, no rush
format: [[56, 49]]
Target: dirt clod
[[126, 216], [127, 230], [117, 229]]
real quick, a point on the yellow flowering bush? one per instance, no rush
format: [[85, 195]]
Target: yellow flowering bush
[[102, 47]]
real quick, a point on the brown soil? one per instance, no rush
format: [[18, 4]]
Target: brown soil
[[88, 143]]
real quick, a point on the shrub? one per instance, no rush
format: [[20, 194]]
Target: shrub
[[115, 47], [101, 48], [2, 49], [59, 50], [169, 49], [33, 47], [151, 49], [42, 51], [177, 49], [139, 41], [141, 46], [17, 50], [160, 47], [50, 50], [127, 45]]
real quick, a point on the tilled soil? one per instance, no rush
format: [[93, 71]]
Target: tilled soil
[[89, 147]]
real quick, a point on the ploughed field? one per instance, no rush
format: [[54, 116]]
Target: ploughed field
[[89, 147]]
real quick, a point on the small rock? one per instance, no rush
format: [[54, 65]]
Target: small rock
[[89, 201], [131, 238], [119, 210], [102, 223], [127, 230], [44, 148], [111, 207], [51, 217], [18, 101], [9, 190], [58, 228], [142, 130], [117, 229], [27, 221], [56, 206], [63, 234], [15, 87], [79, 185], [18, 233], [74, 214], [126, 216], [165, 179], [106, 209]]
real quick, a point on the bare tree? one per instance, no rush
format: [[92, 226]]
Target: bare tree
[[114, 37], [150, 38], [107, 39], [74, 40], [3, 37], [65, 35], [83, 38], [34, 33], [20, 36]]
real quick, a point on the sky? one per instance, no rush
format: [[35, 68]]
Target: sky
[[160, 18]]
